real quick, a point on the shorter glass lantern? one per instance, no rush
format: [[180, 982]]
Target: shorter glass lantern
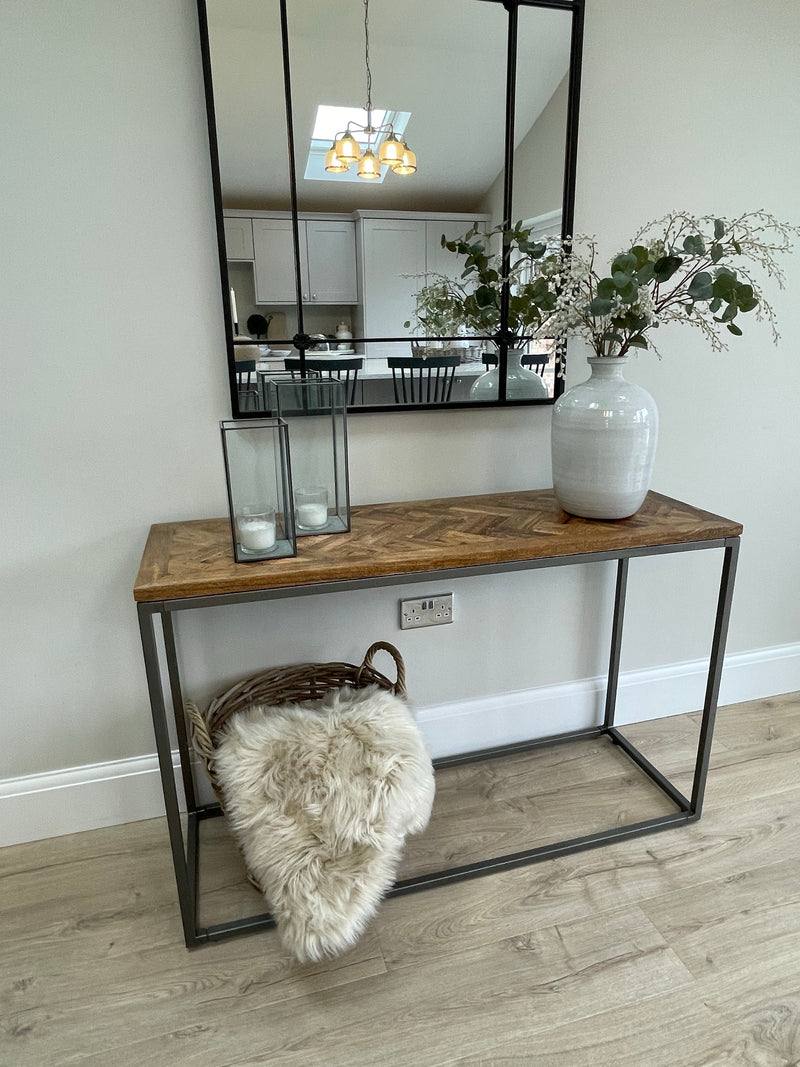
[[315, 411], [259, 489]]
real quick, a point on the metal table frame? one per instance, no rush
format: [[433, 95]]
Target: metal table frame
[[185, 848]]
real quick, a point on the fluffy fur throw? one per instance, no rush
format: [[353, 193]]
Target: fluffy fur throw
[[320, 797]]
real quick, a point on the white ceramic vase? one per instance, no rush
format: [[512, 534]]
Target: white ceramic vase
[[604, 435], [521, 383]]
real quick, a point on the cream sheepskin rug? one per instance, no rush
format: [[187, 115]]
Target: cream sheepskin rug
[[319, 797]]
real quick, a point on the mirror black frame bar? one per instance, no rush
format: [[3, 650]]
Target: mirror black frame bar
[[502, 338]]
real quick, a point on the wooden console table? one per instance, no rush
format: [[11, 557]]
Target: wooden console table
[[189, 565]]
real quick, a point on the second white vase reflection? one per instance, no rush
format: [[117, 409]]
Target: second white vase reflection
[[521, 383]]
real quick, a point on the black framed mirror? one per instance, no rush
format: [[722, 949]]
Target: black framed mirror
[[331, 274]]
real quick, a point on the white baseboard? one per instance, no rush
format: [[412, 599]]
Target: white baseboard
[[647, 694], [105, 794]]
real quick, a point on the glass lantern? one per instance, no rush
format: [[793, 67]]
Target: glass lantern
[[259, 489], [315, 411]]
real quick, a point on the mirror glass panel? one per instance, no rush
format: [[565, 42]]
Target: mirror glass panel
[[369, 252]]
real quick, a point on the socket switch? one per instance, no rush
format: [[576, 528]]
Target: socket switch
[[426, 611]]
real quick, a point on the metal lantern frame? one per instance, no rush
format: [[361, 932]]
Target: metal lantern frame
[[268, 484], [315, 411]]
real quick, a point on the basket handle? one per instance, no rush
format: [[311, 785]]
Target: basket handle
[[201, 739], [400, 684]]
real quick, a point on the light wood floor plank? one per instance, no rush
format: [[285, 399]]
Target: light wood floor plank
[[519, 985], [730, 924], [756, 1023]]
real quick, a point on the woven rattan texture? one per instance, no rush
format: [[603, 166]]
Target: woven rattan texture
[[281, 685]]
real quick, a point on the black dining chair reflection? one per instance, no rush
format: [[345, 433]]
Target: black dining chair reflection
[[247, 385], [344, 370], [423, 381], [535, 361]]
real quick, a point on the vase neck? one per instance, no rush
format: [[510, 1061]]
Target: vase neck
[[607, 366]]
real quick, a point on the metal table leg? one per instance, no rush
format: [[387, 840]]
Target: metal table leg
[[185, 872]]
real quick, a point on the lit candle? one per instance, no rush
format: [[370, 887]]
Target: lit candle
[[234, 312], [256, 535]]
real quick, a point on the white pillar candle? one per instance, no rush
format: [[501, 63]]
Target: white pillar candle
[[311, 516], [234, 312], [256, 535]]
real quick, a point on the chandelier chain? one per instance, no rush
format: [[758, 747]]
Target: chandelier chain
[[366, 62]]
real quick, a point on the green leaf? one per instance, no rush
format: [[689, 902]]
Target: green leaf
[[694, 245], [606, 288], [600, 306], [630, 293], [717, 252], [642, 255], [719, 229], [645, 273], [621, 279], [715, 305], [701, 287], [724, 286], [746, 299], [634, 323], [729, 313], [734, 329], [625, 262], [638, 341], [664, 268]]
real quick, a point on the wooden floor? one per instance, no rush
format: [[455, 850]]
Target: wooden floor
[[679, 949]]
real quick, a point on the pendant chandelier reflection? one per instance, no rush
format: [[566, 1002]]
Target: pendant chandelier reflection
[[346, 150]]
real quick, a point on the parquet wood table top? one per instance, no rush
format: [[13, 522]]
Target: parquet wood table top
[[195, 558]]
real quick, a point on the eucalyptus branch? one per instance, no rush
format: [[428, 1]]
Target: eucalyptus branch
[[679, 268]]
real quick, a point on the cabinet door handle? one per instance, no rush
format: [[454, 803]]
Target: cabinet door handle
[[313, 296]]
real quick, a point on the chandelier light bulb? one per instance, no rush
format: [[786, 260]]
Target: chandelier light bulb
[[368, 166], [408, 164], [347, 149], [391, 151], [334, 165]]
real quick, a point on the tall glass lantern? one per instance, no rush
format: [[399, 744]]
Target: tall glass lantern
[[259, 489], [315, 411]]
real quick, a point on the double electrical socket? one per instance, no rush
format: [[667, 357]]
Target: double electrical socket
[[426, 611]]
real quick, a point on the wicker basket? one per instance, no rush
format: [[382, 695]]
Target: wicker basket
[[281, 685]]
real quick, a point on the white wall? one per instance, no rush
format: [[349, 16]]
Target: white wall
[[538, 181], [114, 376]]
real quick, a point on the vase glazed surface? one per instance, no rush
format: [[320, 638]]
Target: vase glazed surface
[[521, 383], [604, 436]]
